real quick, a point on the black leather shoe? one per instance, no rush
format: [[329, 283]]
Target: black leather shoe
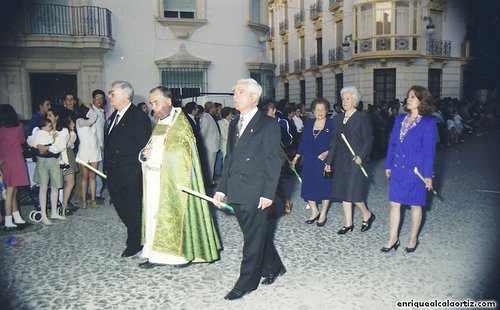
[[269, 279], [312, 220], [72, 207], [344, 230], [365, 225], [148, 265], [321, 224], [131, 251], [235, 294], [395, 246], [411, 250]]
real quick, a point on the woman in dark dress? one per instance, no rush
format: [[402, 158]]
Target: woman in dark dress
[[350, 184], [313, 149], [412, 145]]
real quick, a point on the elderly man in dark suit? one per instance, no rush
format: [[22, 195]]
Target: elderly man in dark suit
[[128, 132], [249, 178]]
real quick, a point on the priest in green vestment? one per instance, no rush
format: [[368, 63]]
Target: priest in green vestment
[[177, 227]]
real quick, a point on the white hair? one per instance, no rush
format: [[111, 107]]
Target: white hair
[[126, 87], [356, 95], [253, 86]]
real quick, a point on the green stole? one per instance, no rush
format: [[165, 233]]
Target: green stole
[[184, 225]]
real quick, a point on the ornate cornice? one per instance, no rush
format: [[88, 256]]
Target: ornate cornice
[[437, 5]]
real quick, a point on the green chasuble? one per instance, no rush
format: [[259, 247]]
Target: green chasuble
[[184, 224]]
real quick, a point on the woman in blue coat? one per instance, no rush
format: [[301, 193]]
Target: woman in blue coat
[[313, 149], [412, 146]]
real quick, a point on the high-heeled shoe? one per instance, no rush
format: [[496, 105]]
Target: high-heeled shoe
[[411, 250], [321, 224], [312, 220], [365, 225], [345, 229], [395, 246]]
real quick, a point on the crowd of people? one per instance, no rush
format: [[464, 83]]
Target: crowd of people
[[159, 165], [456, 120]]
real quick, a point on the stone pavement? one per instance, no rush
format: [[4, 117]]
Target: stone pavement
[[76, 264]]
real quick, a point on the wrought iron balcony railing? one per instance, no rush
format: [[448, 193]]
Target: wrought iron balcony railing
[[334, 2], [316, 60], [54, 19], [315, 9], [299, 19], [335, 55], [438, 47], [284, 68], [384, 44], [299, 64], [283, 27]]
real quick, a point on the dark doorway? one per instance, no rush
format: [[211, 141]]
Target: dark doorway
[[51, 85], [339, 84], [384, 85]]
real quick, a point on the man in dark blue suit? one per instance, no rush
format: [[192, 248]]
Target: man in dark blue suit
[[128, 132], [249, 178]]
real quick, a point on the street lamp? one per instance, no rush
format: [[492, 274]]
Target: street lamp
[[430, 26], [346, 44]]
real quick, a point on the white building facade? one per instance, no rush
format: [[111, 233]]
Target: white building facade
[[194, 47], [382, 47]]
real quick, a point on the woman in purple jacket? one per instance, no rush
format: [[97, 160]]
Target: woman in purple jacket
[[412, 145]]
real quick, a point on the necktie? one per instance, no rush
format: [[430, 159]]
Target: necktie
[[239, 128], [115, 121]]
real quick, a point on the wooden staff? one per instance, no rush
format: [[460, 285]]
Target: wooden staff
[[423, 180], [353, 154], [78, 160], [205, 197]]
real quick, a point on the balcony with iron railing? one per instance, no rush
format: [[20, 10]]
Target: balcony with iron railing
[[400, 44], [315, 60], [283, 27], [284, 68], [335, 55], [299, 19], [299, 64], [438, 48], [316, 10], [51, 25], [332, 4]]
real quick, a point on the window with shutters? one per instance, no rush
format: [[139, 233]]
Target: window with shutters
[[182, 17]]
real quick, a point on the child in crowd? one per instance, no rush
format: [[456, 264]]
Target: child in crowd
[[42, 134], [458, 125], [47, 170], [455, 126]]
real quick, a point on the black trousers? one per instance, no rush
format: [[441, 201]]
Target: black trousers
[[127, 199], [260, 257]]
